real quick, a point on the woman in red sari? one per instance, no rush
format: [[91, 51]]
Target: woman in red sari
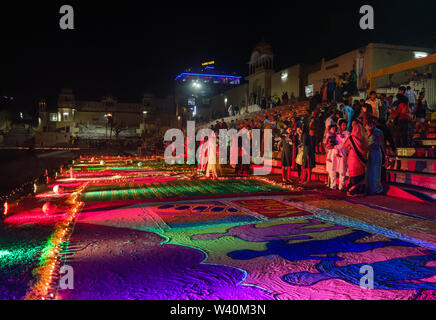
[[357, 147]]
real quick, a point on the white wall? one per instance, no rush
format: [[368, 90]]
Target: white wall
[[345, 63], [235, 96], [374, 57], [290, 85]]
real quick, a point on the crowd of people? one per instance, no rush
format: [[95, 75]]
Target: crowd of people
[[334, 89], [272, 101], [357, 137], [209, 153]]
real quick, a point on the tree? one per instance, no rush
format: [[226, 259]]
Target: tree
[[118, 128]]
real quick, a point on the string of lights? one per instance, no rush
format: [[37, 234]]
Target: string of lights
[[47, 273]]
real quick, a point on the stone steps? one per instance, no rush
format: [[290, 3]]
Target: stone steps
[[424, 165], [426, 195], [418, 152], [425, 142], [415, 179]]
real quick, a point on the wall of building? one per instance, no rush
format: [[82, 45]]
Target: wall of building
[[333, 68], [372, 57], [236, 96], [164, 105], [260, 81], [382, 56], [362, 60], [86, 119], [290, 84], [96, 117], [50, 139], [88, 123]]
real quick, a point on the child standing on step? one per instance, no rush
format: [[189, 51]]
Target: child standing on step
[[330, 142]]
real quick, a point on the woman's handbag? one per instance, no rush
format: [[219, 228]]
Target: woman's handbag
[[299, 159]]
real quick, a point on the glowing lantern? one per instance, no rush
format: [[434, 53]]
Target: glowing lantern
[[102, 163], [5, 208], [47, 208], [139, 164], [57, 189]]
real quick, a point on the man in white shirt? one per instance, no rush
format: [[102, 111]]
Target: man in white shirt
[[375, 104], [411, 94]]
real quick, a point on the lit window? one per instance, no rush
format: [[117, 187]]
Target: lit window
[[419, 55], [309, 90], [65, 116], [53, 117]]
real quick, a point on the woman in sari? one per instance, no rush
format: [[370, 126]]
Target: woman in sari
[[341, 156], [376, 155], [213, 169], [357, 147], [202, 155], [234, 152]]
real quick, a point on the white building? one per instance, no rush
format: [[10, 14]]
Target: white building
[[372, 57], [102, 119]]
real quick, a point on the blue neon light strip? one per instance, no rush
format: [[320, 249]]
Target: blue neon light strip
[[203, 75]]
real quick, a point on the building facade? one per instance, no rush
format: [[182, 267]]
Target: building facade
[[262, 83], [302, 81], [104, 119], [194, 89], [364, 60]]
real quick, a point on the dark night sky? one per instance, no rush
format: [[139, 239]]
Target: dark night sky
[[127, 48]]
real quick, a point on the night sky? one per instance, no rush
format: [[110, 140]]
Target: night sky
[[126, 48]]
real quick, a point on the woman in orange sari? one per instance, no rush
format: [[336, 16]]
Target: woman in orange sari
[[357, 147]]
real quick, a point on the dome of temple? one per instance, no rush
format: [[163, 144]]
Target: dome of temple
[[263, 48]]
